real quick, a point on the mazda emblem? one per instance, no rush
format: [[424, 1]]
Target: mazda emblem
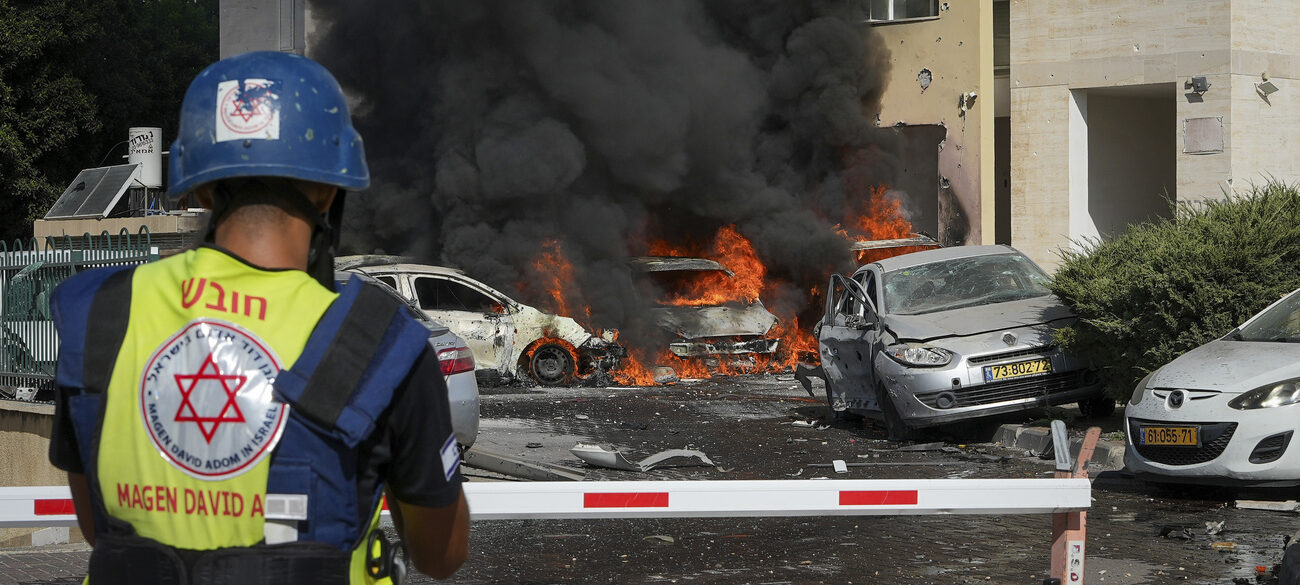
[[1176, 398]]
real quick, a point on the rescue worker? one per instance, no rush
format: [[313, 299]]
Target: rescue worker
[[226, 416]]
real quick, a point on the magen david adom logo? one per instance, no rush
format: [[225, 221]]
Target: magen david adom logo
[[248, 109], [207, 400]]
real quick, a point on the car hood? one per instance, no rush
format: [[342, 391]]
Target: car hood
[[982, 319], [1230, 366], [716, 321]]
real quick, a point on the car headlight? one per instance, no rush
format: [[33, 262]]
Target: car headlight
[[1140, 390], [1278, 394], [919, 354]]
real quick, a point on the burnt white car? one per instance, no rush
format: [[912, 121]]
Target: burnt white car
[[1225, 412], [944, 335], [456, 360], [702, 328], [508, 338]]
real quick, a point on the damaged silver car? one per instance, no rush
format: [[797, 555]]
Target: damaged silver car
[[509, 339], [700, 326], [944, 335]]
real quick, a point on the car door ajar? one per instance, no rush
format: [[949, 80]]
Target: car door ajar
[[845, 341]]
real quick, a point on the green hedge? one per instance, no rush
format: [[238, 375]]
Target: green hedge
[[1165, 287]]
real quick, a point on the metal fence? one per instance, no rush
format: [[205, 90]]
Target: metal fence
[[28, 275]]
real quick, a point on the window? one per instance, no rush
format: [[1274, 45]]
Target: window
[[391, 281], [441, 294], [896, 10]]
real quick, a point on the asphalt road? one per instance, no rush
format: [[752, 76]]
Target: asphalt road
[[1136, 534]]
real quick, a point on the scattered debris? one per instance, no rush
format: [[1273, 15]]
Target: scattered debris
[[802, 423], [660, 539], [1212, 528], [1224, 546], [1174, 532], [601, 456], [795, 474], [533, 445], [506, 465], [890, 464], [840, 467], [922, 447], [666, 375], [1287, 506], [924, 78], [581, 416]]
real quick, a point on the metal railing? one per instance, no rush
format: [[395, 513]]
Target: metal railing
[[28, 275]]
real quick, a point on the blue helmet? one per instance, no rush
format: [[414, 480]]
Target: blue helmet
[[266, 114]]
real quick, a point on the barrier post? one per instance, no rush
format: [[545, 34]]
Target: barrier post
[[1069, 529]]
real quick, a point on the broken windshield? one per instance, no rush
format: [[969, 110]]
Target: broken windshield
[[963, 282], [1281, 322]]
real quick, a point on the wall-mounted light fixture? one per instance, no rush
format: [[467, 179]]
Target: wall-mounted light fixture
[[1265, 87], [1198, 84]]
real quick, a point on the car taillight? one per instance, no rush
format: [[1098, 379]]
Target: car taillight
[[455, 360]]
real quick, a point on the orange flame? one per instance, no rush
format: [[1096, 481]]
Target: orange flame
[[557, 276], [877, 217]]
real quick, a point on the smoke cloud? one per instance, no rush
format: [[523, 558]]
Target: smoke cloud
[[493, 126]]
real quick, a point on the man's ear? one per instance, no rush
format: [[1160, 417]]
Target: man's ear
[[204, 195]]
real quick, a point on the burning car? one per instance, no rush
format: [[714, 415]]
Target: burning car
[[698, 305], [507, 338], [945, 335]]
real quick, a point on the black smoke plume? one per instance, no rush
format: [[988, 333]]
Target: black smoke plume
[[493, 126]]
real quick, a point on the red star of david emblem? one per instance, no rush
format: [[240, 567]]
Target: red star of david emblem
[[230, 413], [246, 107]]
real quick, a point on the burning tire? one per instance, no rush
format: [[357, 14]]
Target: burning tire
[[551, 364]]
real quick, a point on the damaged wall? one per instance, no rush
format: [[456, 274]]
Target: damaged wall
[[1060, 46], [935, 65]]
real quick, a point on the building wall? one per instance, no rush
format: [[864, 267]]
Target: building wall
[[957, 49], [24, 461], [1062, 45], [260, 25]]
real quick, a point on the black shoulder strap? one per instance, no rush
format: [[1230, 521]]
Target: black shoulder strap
[[355, 344], [110, 312]]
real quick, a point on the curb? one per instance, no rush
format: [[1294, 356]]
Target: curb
[[1108, 456]]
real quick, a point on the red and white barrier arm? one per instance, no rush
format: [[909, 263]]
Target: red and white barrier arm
[[52, 506]]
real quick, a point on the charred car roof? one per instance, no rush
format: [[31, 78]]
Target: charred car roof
[[915, 240], [673, 263]]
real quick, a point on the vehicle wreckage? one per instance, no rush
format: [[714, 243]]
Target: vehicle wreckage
[[508, 338], [702, 327], [944, 335]]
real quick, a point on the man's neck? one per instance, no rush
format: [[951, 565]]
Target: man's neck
[[272, 245]]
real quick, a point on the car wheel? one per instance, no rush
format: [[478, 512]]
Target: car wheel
[[551, 364], [1099, 406], [895, 426]]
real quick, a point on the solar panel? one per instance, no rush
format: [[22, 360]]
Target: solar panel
[[94, 192]]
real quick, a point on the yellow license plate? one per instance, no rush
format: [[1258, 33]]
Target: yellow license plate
[[1179, 436], [1017, 370]]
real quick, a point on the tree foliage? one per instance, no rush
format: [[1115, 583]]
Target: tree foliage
[[75, 74], [1166, 287]]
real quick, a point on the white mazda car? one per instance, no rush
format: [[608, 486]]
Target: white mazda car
[[1226, 412]]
